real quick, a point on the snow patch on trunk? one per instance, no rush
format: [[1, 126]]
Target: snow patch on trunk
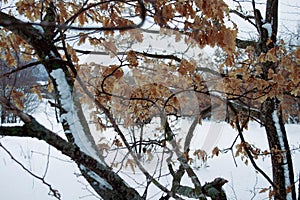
[[39, 28], [71, 116], [103, 184], [285, 166], [268, 27]]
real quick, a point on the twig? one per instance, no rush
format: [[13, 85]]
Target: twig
[[241, 15], [240, 132], [47, 164], [57, 158], [254, 189], [67, 27], [52, 192], [232, 187], [32, 64], [86, 187]]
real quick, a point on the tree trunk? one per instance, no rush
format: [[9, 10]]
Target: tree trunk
[[107, 183], [282, 167], [3, 115]]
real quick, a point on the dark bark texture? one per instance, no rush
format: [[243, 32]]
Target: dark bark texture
[[51, 59], [106, 183], [270, 106]]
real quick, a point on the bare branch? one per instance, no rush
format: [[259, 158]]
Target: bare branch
[[11, 21], [243, 44], [32, 64], [190, 133], [240, 132], [241, 15], [53, 192], [12, 108]]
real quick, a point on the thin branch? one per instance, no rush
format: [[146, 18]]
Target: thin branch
[[159, 56], [231, 150], [54, 157], [243, 44], [53, 192], [241, 15], [6, 23], [240, 132], [190, 133], [48, 161], [87, 52], [68, 56], [32, 64], [4, 102]]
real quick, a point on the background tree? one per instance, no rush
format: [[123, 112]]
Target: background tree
[[21, 84], [271, 67], [150, 87]]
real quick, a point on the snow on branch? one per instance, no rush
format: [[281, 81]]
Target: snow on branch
[[268, 27], [102, 183], [70, 115], [284, 150]]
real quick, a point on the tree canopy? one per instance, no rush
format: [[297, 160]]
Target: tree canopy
[[131, 65]]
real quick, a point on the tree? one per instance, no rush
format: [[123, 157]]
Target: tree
[[272, 69], [148, 87], [19, 84]]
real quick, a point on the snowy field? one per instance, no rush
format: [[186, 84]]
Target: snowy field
[[244, 183]]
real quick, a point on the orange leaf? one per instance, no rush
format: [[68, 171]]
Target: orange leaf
[[82, 38], [132, 59], [131, 163], [17, 97], [263, 190], [37, 91], [149, 154], [72, 53], [216, 151], [118, 143], [50, 86], [81, 19]]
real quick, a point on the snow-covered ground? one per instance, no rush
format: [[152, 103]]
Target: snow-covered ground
[[63, 174], [37, 156]]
